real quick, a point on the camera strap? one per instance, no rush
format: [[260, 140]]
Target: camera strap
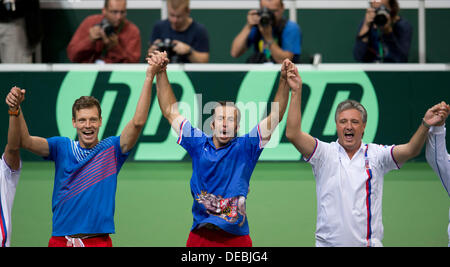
[[280, 29], [380, 45], [278, 36]]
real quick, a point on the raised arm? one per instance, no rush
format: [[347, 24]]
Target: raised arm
[[437, 155], [304, 142], [239, 44], [12, 149], [34, 144], [279, 104], [166, 98], [433, 117], [133, 129]]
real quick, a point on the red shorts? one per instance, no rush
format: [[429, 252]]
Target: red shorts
[[98, 241], [204, 237]]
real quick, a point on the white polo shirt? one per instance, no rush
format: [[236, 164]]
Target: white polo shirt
[[439, 159], [349, 200], [8, 184]]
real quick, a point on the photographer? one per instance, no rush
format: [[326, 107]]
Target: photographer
[[383, 36], [273, 37], [184, 40], [106, 38]]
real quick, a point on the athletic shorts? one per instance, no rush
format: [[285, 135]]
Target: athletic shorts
[[203, 237], [97, 241]]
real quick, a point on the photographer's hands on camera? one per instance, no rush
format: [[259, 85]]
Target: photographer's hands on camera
[[96, 33], [369, 22], [253, 19], [179, 47]]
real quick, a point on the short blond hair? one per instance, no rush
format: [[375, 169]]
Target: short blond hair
[[176, 4]]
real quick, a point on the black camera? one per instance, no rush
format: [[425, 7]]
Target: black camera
[[381, 15], [266, 16], [167, 45], [107, 27]]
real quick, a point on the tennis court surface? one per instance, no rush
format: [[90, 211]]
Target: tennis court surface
[[153, 205]]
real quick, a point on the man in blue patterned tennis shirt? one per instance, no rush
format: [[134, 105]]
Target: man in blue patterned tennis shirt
[[222, 164], [86, 170]]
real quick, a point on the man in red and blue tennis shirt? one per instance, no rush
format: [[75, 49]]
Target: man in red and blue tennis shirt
[[86, 170], [222, 164]]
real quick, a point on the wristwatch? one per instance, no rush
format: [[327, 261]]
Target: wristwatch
[[14, 112], [425, 124], [269, 43]]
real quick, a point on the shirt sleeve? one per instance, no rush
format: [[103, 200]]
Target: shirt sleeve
[[360, 47], [384, 158], [201, 41], [121, 157], [156, 32], [437, 155], [253, 143], [12, 176], [251, 38], [399, 41], [190, 138], [292, 38], [53, 146], [318, 156], [81, 49], [128, 50]]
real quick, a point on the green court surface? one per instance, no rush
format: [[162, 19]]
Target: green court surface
[[153, 205]]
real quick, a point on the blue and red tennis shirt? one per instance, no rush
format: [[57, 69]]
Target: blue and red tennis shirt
[[85, 185], [220, 177]]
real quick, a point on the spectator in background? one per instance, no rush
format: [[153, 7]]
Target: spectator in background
[[185, 40], [383, 36], [106, 38], [273, 39], [20, 30]]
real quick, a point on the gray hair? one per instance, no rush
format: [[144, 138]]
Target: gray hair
[[351, 104]]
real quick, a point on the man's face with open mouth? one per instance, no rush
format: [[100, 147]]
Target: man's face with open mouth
[[225, 125], [350, 129], [87, 122]]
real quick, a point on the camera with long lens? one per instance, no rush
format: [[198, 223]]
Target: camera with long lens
[[381, 15], [167, 45], [10, 5], [107, 27], [266, 17]]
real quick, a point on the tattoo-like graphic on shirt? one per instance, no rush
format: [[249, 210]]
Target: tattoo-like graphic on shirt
[[228, 209]]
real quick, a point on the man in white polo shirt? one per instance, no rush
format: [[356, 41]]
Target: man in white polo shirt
[[438, 157], [349, 174]]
